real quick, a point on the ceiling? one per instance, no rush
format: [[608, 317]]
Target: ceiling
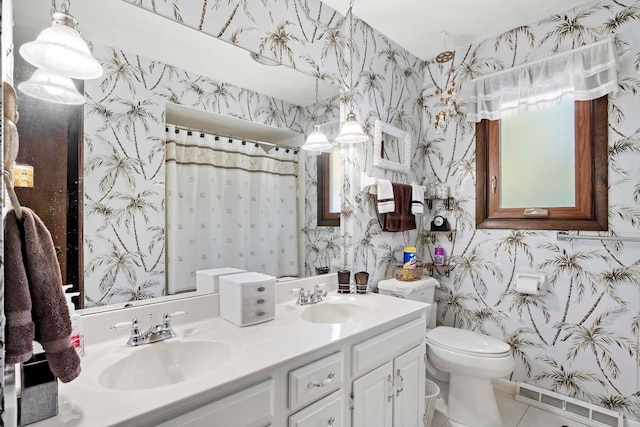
[[417, 25]]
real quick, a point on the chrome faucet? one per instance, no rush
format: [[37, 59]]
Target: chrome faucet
[[160, 332], [307, 297]]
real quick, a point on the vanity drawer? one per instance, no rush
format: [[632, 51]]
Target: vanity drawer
[[253, 406], [316, 379], [251, 316], [257, 301], [329, 411], [374, 352]]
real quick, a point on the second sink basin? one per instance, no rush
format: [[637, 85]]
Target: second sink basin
[[335, 312], [164, 363]]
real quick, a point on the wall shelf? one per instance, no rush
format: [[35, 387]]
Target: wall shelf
[[446, 202], [441, 269]]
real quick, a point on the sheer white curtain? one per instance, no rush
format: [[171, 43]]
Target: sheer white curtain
[[229, 204], [587, 72]]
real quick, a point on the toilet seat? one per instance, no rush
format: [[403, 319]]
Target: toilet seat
[[467, 342]]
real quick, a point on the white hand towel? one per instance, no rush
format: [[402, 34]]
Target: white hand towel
[[385, 196], [417, 199]]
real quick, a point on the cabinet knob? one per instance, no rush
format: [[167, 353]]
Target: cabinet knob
[[331, 421]]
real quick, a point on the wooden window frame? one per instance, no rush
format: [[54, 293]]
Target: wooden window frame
[[592, 203], [325, 217]]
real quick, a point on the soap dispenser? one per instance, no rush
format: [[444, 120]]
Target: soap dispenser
[[77, 339]]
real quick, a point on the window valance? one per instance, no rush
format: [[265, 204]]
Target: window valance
[[586, 73]]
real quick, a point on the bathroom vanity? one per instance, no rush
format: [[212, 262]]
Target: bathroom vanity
[[350, 360]]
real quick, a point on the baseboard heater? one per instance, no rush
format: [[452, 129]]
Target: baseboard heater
[[568, 407]]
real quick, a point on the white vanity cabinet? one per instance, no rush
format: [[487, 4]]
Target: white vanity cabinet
[[291, 372], [389, 371], [252, 407]]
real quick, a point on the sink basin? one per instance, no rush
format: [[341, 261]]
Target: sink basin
[[164, 363], [339, 312]]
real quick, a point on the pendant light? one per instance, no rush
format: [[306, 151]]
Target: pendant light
[[351, 131], [51, 87], [60, 49], [317, 140]]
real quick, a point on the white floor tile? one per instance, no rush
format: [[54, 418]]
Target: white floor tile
[[535, 417], [438, 419], [511, 411]]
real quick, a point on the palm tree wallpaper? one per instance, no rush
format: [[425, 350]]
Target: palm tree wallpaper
[[580, 339]]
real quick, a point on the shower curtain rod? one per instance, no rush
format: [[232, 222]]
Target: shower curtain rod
[[208, 132], [564, 235]]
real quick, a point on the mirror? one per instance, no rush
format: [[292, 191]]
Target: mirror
[[391, 147], [124, 128]]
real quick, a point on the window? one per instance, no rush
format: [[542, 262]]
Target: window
[[503, 193]]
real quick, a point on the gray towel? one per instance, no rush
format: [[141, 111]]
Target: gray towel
[[34, 301]]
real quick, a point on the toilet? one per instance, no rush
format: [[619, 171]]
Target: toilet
[[465, 361]]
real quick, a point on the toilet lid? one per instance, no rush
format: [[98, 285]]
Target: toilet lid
[[469, 342]]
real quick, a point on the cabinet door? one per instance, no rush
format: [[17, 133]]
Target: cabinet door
[[373, 398], [409, 374]]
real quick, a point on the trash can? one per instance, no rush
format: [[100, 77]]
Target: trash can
[[431, 395], [39, 398]]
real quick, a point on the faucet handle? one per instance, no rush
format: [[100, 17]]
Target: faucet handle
[[166, 319], [121, 325], [303, 295]]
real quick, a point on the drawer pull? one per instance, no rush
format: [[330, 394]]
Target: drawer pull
[[261, 289], [260, 313], [331, 421], [261, 301], [390, 381], [400, 383], [324, 383]]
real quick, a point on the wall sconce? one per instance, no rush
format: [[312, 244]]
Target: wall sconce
[[51, 87], [61, 50], [317, 141], [351, 131]]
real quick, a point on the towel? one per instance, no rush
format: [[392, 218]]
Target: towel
[[417, 199], [385, 196], [35, 306], [401, 219]]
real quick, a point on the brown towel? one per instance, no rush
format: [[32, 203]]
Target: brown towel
[[34, 301], [401, 219]]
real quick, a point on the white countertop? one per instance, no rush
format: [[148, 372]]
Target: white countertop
[[254, 349]]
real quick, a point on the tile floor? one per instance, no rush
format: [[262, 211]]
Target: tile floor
[[516, 414]]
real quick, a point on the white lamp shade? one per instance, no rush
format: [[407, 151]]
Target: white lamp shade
[[317, 141], [61, 50], [351, 131], [51, 87]]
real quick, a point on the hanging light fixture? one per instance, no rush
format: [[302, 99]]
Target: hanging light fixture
[[317, 140], [52, 88], [351, 131], [60, 49], [446, 95]]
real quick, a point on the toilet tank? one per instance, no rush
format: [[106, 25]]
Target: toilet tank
[[422, 290]]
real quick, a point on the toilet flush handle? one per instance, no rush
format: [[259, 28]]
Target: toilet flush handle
[[400, 383]]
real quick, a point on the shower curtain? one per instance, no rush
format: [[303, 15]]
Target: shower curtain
[[229, 204]]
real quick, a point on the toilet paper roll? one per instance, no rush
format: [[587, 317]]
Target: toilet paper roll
[[529, 285]]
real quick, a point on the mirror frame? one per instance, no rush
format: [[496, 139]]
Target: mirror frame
[[404, 139], [592, 155]]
